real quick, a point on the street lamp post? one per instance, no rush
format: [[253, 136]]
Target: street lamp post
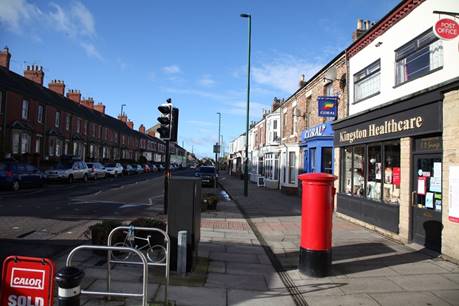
[[216, 154], [246, 161]]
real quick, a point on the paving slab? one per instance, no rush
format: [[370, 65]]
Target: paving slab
[[347, 300], [249, 269], [196, 296], [256, 298], [234, 257], [424, 282], [424, 267], [451, 296], [217, 266], [254, 282], [408, 299], [369, 285]]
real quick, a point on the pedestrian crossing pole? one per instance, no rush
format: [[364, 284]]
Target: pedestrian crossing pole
[[167, 176]]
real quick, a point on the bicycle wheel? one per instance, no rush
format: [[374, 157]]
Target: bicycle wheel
[[121, 255], [156, 253]]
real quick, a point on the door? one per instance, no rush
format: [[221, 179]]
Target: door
[[427, 200]]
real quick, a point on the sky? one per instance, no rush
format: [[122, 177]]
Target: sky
[[140, 53]]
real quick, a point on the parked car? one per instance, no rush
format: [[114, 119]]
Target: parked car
[[129, 169], [138, 168], [68, 170], [146, 168], [96, 170], [14, 175], [114, 169], [208, 175], [153, 168]]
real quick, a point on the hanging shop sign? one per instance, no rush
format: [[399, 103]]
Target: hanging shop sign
[[446, 29], [320, 130], [27, 281], [416, 121], [328, 106]]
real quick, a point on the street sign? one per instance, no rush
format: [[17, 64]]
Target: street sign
[[216, 148], [328, 106], [446, 29], [27, 281]]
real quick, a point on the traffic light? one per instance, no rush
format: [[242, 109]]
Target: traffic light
[[169, 121], [165, 120]]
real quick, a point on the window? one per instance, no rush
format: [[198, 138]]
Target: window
[[21, 142], [85, 127], [367, 81], [312, 160], [372, 171], [59, 145], [40, 114], [67, 122], [66, 148], [38, 144], [78, 125], [327, 160], [291, 166], [25, 110], [294, 120], [57, 121], [419, 57]]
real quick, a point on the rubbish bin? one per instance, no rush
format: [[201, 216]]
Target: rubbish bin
[[316, 223]]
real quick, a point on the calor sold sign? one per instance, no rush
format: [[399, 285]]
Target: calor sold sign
[[446, 29], [27, 281]]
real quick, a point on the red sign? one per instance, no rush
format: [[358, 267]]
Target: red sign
[[396, 176], [446, 29], [27, 281]]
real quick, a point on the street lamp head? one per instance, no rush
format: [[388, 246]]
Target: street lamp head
[[245, 15]]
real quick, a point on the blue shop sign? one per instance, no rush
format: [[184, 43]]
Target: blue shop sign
[[328, 106], [321, 130]]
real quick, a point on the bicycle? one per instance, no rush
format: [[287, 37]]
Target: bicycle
[[154, 253]]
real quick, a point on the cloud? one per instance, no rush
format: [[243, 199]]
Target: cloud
[[173, 69], [284, 71], [91, 51], [15, 13], [206, 80], [76, 21]]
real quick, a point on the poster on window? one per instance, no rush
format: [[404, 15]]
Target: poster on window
[[422, 185], [453, 214], [429, 200], [396, 176], [378, 171]]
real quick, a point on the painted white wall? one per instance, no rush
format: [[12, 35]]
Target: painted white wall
[[274, 116], [418, 21]]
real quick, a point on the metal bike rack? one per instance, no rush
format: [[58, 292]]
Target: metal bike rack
[[163, 264], [144, 293]]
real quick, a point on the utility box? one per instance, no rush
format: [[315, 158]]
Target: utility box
[[184, 214]]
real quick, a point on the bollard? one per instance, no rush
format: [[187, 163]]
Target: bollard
[[68, 280], [181, 252]]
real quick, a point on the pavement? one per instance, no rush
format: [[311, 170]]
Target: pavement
[[248, 255]]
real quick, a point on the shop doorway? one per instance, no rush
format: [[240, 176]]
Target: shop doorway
[[427, 200]]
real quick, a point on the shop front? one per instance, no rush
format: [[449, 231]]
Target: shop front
[[390, 168], [317, 147]]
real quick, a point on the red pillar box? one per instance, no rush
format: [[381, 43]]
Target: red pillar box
[[316, 223]]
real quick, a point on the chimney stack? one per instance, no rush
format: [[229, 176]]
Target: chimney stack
[[276, 103], [100, 108], [130, 124], [123, 118], [142, 129], [74, 95], [5, 57], [57, 86], [34, 73], [362, 27], [302, 81], [89, 103]]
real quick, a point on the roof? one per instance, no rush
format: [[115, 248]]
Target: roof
[[12, 81]]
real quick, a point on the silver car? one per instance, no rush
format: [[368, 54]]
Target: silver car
[[96, 170], [69, 171], [114, 169]]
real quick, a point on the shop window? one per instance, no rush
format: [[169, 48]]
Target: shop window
[[40, 114], [327, 160], [291, 168], [419, 57], [25, 110], [312, 160], [374, 173], [358, 171], [391, 190], [367, 81], [346, 170]]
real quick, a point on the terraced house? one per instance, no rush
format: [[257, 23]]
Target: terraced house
[[39, 125]]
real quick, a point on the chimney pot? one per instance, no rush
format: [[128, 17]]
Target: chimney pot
[[5, 57], [74, 95], [34, 74], [57, 87], [100, 107]]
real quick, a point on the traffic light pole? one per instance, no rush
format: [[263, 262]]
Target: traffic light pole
[[167, 176]]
